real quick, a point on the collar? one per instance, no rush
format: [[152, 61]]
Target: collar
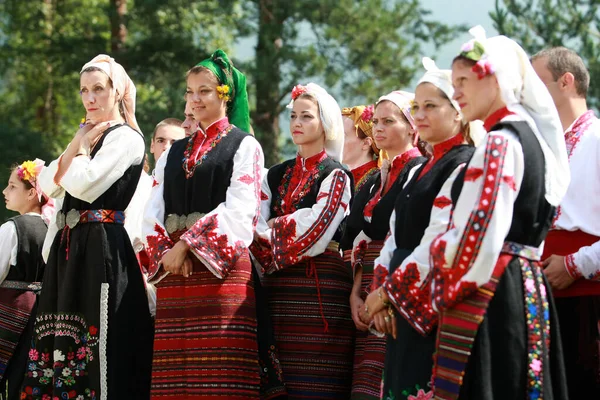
[[401, 159], [214, 128], [496, 117], [363, 169], [311, 162], [440, 149], [582, 119]]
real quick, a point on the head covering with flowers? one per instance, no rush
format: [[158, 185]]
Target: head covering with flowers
[[122, 84], [526, 95], [330, 115], [232, 88], [362, 117], [30, 171]]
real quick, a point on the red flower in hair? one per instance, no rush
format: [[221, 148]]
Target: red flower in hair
[[483, 68], [297, 91], [367, 114]]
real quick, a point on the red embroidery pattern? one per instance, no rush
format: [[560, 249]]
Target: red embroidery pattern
[[510, 181], [362, 174], [358, 253], [473, 174], [572, 268], [380, 274], [440, 150], [215, 248], [197, 148], [261, 250], [442, 202], [154, 182], [157, 246], [257, 192], [448, 288], [322, 195], [288, 248], [411, 296], [263, 196], [247, 179]]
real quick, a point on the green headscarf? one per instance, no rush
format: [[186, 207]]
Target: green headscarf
[[237, 107]]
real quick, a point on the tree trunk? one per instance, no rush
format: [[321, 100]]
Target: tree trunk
[[268, 77], [49, 123], [118, 29]]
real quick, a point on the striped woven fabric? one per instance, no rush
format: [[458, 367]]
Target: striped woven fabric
[[456, 334], [15, 310], [369, 351], [310, 310], [205, 345]]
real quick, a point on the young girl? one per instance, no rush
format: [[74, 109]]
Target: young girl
[[21, 271], [304, 202], [395, 134]]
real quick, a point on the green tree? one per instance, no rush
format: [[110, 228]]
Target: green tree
[[538, 24], [361, 48]]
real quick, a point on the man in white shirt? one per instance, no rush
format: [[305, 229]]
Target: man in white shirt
[[572, 250]]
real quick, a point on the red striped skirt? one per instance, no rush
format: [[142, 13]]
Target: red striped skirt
[[310, 311], [205, 346], [369, 351]]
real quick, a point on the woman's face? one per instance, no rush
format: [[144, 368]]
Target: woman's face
[[391, 130], [305, 123], [201, 92], [437, 120], [475, 96], [355, 148], [16, 195], [98, 97]]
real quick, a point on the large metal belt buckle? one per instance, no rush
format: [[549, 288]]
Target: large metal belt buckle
[[192, 219], [61, 220], [72, 219], [172, 223]]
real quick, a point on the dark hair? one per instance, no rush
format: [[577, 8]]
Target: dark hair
[[464, 59], [167, 122], [560, 60], [200, 68]]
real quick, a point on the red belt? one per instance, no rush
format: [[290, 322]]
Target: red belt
[[563, 243]]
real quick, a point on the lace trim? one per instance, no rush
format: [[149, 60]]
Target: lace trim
[[103, 340]]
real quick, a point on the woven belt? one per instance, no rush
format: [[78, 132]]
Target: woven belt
[[74, 217], [175, 222], [521, 250], [20, 285]]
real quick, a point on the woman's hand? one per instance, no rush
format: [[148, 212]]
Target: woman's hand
[[373, 304], [385, 322], [174, 260], [356, 307], [91, 136]]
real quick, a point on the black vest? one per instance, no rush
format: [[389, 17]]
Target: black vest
[[31, 232], [379, 226], [413, 205], [207, 188], [118, 196], [275, 178], [532, 214]]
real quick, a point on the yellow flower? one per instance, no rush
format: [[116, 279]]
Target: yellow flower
[[222, 90], [28, 170]]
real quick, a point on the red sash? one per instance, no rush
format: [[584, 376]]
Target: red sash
[[562, 243]]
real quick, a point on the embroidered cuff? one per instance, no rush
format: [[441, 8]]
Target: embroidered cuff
[[262, 252], [572, 268], [380, 274], [217, 255], [156, 248]]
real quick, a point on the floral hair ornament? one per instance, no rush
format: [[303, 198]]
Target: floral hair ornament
[[297, 91], [474, 50], [223, 92], [362, 117], [30, 170], [367, 114]]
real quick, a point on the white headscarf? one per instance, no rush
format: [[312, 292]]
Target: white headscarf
[[121, 83], [440, 78], [526, 95], [330, 115]]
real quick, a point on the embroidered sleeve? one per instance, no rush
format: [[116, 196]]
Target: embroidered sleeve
[[464, 257], [87, 179], [359, 250], [382, 263], [585, 263], [409, 287], [9, 244], [261, 245], [156, 238], [223, 235], [307, 232]]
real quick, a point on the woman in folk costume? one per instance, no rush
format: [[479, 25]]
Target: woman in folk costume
[[93, 326], [359, 147], [21, 271], [395, 133], [305, 200], [399, 305], [198, 224], [488, 286]]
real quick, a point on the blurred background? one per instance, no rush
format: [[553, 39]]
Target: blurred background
[[358, 49]]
